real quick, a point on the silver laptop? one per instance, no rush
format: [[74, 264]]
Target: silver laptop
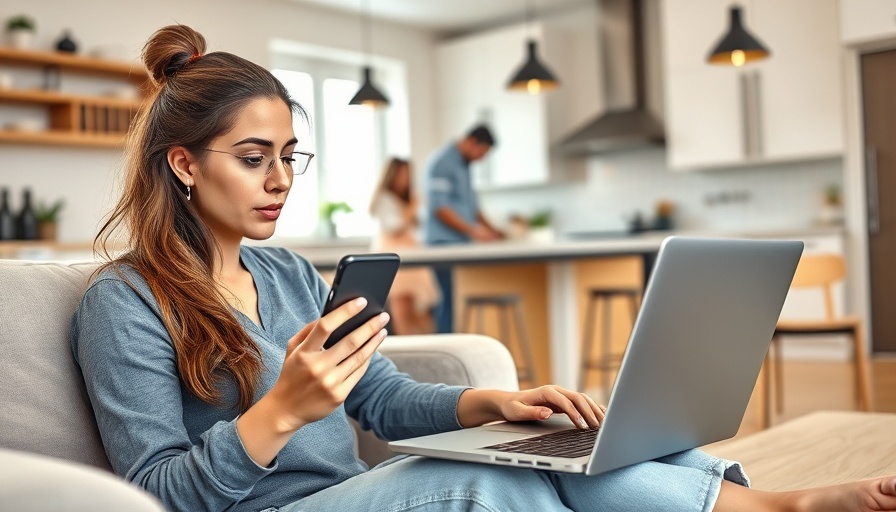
[[692, 360]]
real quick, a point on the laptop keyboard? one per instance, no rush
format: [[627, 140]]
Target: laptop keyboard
[[574, 442]]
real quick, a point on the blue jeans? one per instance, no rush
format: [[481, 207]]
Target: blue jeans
[[686, 481], [444, 312]]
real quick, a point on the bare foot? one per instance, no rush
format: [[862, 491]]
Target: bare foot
[[876, 494], [873, 495]]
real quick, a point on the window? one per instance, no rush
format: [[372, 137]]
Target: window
[[352, 155], [349, 141], [300, 210]]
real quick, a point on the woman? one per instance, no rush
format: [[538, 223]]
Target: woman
[[414, 292], [203, 358]]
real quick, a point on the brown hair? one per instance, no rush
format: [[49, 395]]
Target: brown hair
[[194, 98], [388, 178]]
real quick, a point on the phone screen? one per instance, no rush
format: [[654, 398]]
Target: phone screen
[[361, 275]]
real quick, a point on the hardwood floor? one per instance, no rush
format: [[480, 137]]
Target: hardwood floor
[[811, 386]]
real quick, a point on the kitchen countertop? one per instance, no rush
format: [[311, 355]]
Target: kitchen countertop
[[326, 256]]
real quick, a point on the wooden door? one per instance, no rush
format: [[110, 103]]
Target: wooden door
[[878, 84]]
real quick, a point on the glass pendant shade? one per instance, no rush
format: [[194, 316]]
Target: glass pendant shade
[[737, 46], [368, 94], [532, 77]]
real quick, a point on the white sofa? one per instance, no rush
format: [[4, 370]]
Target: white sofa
[[51, 455]]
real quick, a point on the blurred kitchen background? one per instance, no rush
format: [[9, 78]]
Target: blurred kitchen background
[[785, 147]]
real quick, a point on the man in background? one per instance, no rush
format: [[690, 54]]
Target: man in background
[[452, 208]]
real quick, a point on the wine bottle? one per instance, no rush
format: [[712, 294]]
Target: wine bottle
[[7, 222], [27, 219]]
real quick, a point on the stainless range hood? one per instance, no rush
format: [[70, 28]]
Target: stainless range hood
[[626, 123]]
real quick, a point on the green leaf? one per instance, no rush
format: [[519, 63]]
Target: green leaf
[[328, 208], [20, 22], [49, 213]]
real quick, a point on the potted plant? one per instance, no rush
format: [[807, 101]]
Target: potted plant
[[328, 211], [20, 31], [831, 212], [48, 218], [540, 229]]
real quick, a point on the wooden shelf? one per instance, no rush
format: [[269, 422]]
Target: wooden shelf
[[44, 250], [73, 119], [63, 138], [76, 63], [54, 249], [57, 98]]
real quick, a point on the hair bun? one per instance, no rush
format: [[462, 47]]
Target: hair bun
[[171, 48]]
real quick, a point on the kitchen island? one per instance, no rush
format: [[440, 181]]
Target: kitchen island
[[555, 277], [562, 276]]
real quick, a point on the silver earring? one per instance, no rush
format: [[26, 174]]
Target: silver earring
[[188, 192]]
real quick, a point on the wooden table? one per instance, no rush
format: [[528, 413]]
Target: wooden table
[[821, 448]]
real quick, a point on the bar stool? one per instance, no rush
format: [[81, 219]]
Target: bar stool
[[607, 359], [507, 305]]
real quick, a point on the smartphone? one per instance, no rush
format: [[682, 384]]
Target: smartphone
[[361, 275]]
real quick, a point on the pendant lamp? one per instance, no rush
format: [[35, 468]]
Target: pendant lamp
[[533, 76], [368, 94], [737, 46]]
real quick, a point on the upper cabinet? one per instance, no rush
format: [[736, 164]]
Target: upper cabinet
[[56, 117], [473, 72], [866, 21], [787, 107]]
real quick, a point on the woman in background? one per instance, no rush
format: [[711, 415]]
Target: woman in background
[[414, 292]]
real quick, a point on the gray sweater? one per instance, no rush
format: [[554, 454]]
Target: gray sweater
[[187, 452]]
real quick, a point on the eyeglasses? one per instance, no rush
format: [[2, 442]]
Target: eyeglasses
[[296, 162]]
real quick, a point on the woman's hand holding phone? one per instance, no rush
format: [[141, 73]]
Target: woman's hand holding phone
[[313, 381]]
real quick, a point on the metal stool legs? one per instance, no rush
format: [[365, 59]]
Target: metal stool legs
[[509, 311], [608, 360]]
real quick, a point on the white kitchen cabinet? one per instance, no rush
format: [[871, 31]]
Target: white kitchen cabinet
[[472, 76], [867, 21], [787, 107]]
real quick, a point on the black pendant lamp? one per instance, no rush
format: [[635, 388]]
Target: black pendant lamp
[[368, 94], [533, 76], [737, 46]]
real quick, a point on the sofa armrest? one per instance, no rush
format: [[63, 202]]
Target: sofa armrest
[[458, 359], [32, 483]]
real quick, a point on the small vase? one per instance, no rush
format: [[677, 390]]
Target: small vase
[[326, 228], [541, 235], [65, 43], [47, 230], [20, 38]]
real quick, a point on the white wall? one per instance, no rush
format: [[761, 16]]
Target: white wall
[[87, 178], [779, 197]]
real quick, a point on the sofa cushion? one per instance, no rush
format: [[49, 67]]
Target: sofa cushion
[[45, 405]]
